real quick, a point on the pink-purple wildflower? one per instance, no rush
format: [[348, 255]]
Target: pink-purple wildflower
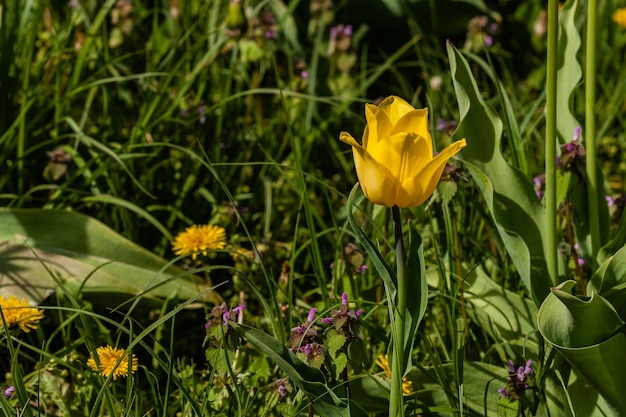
[[518, 381]]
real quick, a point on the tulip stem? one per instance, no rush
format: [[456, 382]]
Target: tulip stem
[[396, 403]]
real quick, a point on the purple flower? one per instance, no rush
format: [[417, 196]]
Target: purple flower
[[518, 381], [281, 390], [345, 320], [311, 316], [8, 393], [223, 315]]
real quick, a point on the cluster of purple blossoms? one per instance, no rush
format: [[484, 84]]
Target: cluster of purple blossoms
[[518, 381], [344, 318], [222, 315], [572, 155], [304, 339]]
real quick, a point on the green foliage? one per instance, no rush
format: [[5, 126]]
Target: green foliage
[[124, 122]]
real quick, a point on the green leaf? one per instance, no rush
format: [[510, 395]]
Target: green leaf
[[568, 321], [447, 190], [569, 71], [501, 313], [308, 379], [610, 282], [616, 243], [220, 359], [86, 256], [334, 341], [417, 288], [377, 259], [588, 333], [341, 361], [508, 192]]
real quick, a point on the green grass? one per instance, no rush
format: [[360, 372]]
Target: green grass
[[164, 121]]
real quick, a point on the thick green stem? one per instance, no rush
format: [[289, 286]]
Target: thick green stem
[[550, 193], [590, 128], [396, 403]]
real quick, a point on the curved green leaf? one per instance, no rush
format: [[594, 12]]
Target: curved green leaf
[[516, 210], [589, 335], [569, 71], [85, 255], [568, 321]]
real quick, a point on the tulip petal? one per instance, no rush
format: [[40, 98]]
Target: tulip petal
[[378, 126], [358, 151], [395, 108], [421, 186], [414, 121], [345, 137], [377, 183], [403, 155]]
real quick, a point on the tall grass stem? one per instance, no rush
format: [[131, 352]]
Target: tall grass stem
[[550, 188], [590, 128]]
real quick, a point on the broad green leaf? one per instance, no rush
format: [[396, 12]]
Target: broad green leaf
[[508, 192], [371, 393], [610, 281], [588, 333], [569, 71], [611, 273], [308, 379], [503, 314], [585, 399], [616, 243], [568, 321], [86, 256]]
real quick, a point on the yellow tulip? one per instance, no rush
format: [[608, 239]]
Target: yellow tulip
[[395, 164]]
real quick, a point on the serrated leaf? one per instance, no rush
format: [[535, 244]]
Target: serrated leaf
[[220, 359], [447, 190], [340, 361], [334, 342]]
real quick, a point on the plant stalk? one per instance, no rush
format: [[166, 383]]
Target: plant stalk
[[551, 139], [590, 129], [396, 403]]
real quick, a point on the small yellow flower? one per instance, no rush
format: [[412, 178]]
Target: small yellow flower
[[383, 362], [199, 239], [619, 17], [395, 163], [109, 357], [17, 311]]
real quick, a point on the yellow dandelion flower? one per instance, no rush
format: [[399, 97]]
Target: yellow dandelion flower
[[109, 357], [17, 311], [383, 362], [619, 17], [199, 239]]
